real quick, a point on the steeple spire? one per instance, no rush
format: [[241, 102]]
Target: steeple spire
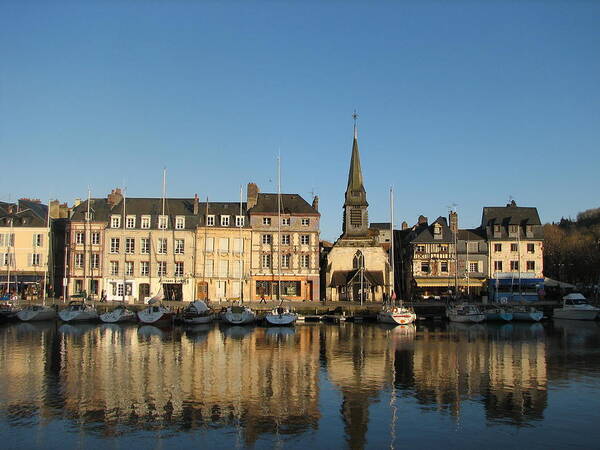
[[356, 222]]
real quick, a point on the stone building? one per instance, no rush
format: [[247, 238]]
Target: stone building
[[515, 239], [285, 245], [358, 267]]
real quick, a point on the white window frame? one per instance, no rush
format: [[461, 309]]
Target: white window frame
[[130, 222], [305, 222], [144, 268], [179, 265], [145, 246], [115, 245], [225, 221], [95, 261], [179, 246], [36, 259], [266, 239], [266, 261], [286, 258], [239, 221], [115, 221], [473, 266], [305, 261], [78, 261], [95, 238], [267, 221], [114, 267], [163, 222], [285, 221], [129, 268], [161, 268], [210, 240], [38, 240], [286, 239], [210, 267], [79, 237], [160, 249], [179, 222], [129, 246], [210, 220], [305, 239], [145, 222]]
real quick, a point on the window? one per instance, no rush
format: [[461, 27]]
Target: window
[[145, 246], [285, 239], [8, 259], [179, 246], [514, 265], [239, 221], [209, 269], [474, 266], [305, 261], [145, 222], [79, 237], [266, 261], [223, 268], [224, 221], [238, 268], [305, 222], [529, 230], [96, 238], [162, 246], [88, 216], [304, 239], [36, 259], [285, 221], [38, 240], [437, 229], [238, 245], [144, 268], [530, 266], [224, 245], [285, 261], [267, 238], [512, 230], [472, 247], [179, 268], [130, 222], [266, 221], [115, 243], [530, 248], [161, 268], [514, 247], [115, 222], [114, 267], [7, 240], [179, 222], [129, 245], [444, 266], [443, 248], [420, 249], [210, 244], [497, 247], [210, 221], [497, 230], [95, 263], [163, 222], [425, 267], [78, 260], [498, 266], [129, 268]]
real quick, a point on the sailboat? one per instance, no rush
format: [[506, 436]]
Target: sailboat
[[78, 311], [34, 313], [197, 312], [392, 313], [118, 315], [282, 316]]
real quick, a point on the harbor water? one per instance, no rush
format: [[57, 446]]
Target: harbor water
[[312, 386]]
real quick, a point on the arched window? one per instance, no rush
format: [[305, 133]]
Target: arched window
[[358, 260]]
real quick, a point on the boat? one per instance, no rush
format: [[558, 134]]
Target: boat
[[524, 313], [281, 316], [34, 313], [8, 312], [78, 311], [197, 312], [576, 307], [156, 314], [497, 313], [118, 315], [465, 313], [239, 315]]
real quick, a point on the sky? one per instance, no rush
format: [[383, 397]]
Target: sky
[[460, 103]]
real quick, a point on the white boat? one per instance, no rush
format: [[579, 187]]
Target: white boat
[[464, 313], [576, 307], [398, 315], [281, 316], [118, 315], [197, 313], [239, 315], [33, 313], [78, 311], [8, 312], [156, 314], [498, 314], [526, 314]]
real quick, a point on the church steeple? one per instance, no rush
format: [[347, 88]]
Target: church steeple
[[356, 222]]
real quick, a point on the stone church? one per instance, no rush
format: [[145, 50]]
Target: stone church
[[358, 267]]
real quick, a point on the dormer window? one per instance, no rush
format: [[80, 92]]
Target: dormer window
[[130, 222], [179, 222], [239, 221], [513, 230], [437, 231], [497, 230], [88, 216], [163, 222], [224, 221], [210, 221], [529, 230], [266, 221], [145, 222], [115, 222]]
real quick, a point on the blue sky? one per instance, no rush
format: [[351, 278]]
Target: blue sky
[[459, 102]]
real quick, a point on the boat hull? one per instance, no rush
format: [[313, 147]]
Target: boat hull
[[499, 317], [467, 318], [78, 316], [155, 318], [112, 317], [528, 316], [574, 314], [239, 318], [286, 319], [197, 320], [396, 318], [28, 315]]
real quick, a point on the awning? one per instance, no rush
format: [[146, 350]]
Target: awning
[[448, 282], [549, 282], [343, 277]]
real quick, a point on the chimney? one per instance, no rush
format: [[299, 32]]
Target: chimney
[[453, 219], [196, 204], [315, 203], [114, 197], [252, 195], [404, 225], [422, 220]]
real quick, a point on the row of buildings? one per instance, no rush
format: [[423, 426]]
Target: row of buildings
[[129, 249]]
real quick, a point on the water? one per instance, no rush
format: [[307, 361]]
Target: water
[[320, 386]]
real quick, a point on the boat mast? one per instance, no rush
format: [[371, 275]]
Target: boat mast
[[10, 259], [47, 254], [519, 261], [279, 227], [124, 246], [86, 239], [456, 263], [392, 264], [164, 224], [204, 252], [467, 268], [241, 248]]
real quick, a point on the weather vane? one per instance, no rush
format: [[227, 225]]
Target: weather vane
[[354, 116]]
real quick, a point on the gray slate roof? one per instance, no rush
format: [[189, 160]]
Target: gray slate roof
[[509, 215], [424, 234], [290, 204], [30, 214]]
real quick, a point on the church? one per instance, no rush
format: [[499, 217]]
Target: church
[[358, 267]]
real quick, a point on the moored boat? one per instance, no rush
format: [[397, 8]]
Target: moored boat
[[464, 313], [497, 314], [281, 316], [239, 315], [526, 314], [34, 313], [197, 313], [78, 311], [118, 315], [576, 307], [398, 315], [8, 312], [156, 314]]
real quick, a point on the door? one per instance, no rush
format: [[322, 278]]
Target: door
[[221, 291], [202, 291], [309, 291], [144, 291]]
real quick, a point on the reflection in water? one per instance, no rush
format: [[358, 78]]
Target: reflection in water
[[267, 383]]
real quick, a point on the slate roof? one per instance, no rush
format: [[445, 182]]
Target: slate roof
[[292, 204], [509, 215], [355, 191], [30, 214], [424, 234], [380, 225], [473, 234]]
